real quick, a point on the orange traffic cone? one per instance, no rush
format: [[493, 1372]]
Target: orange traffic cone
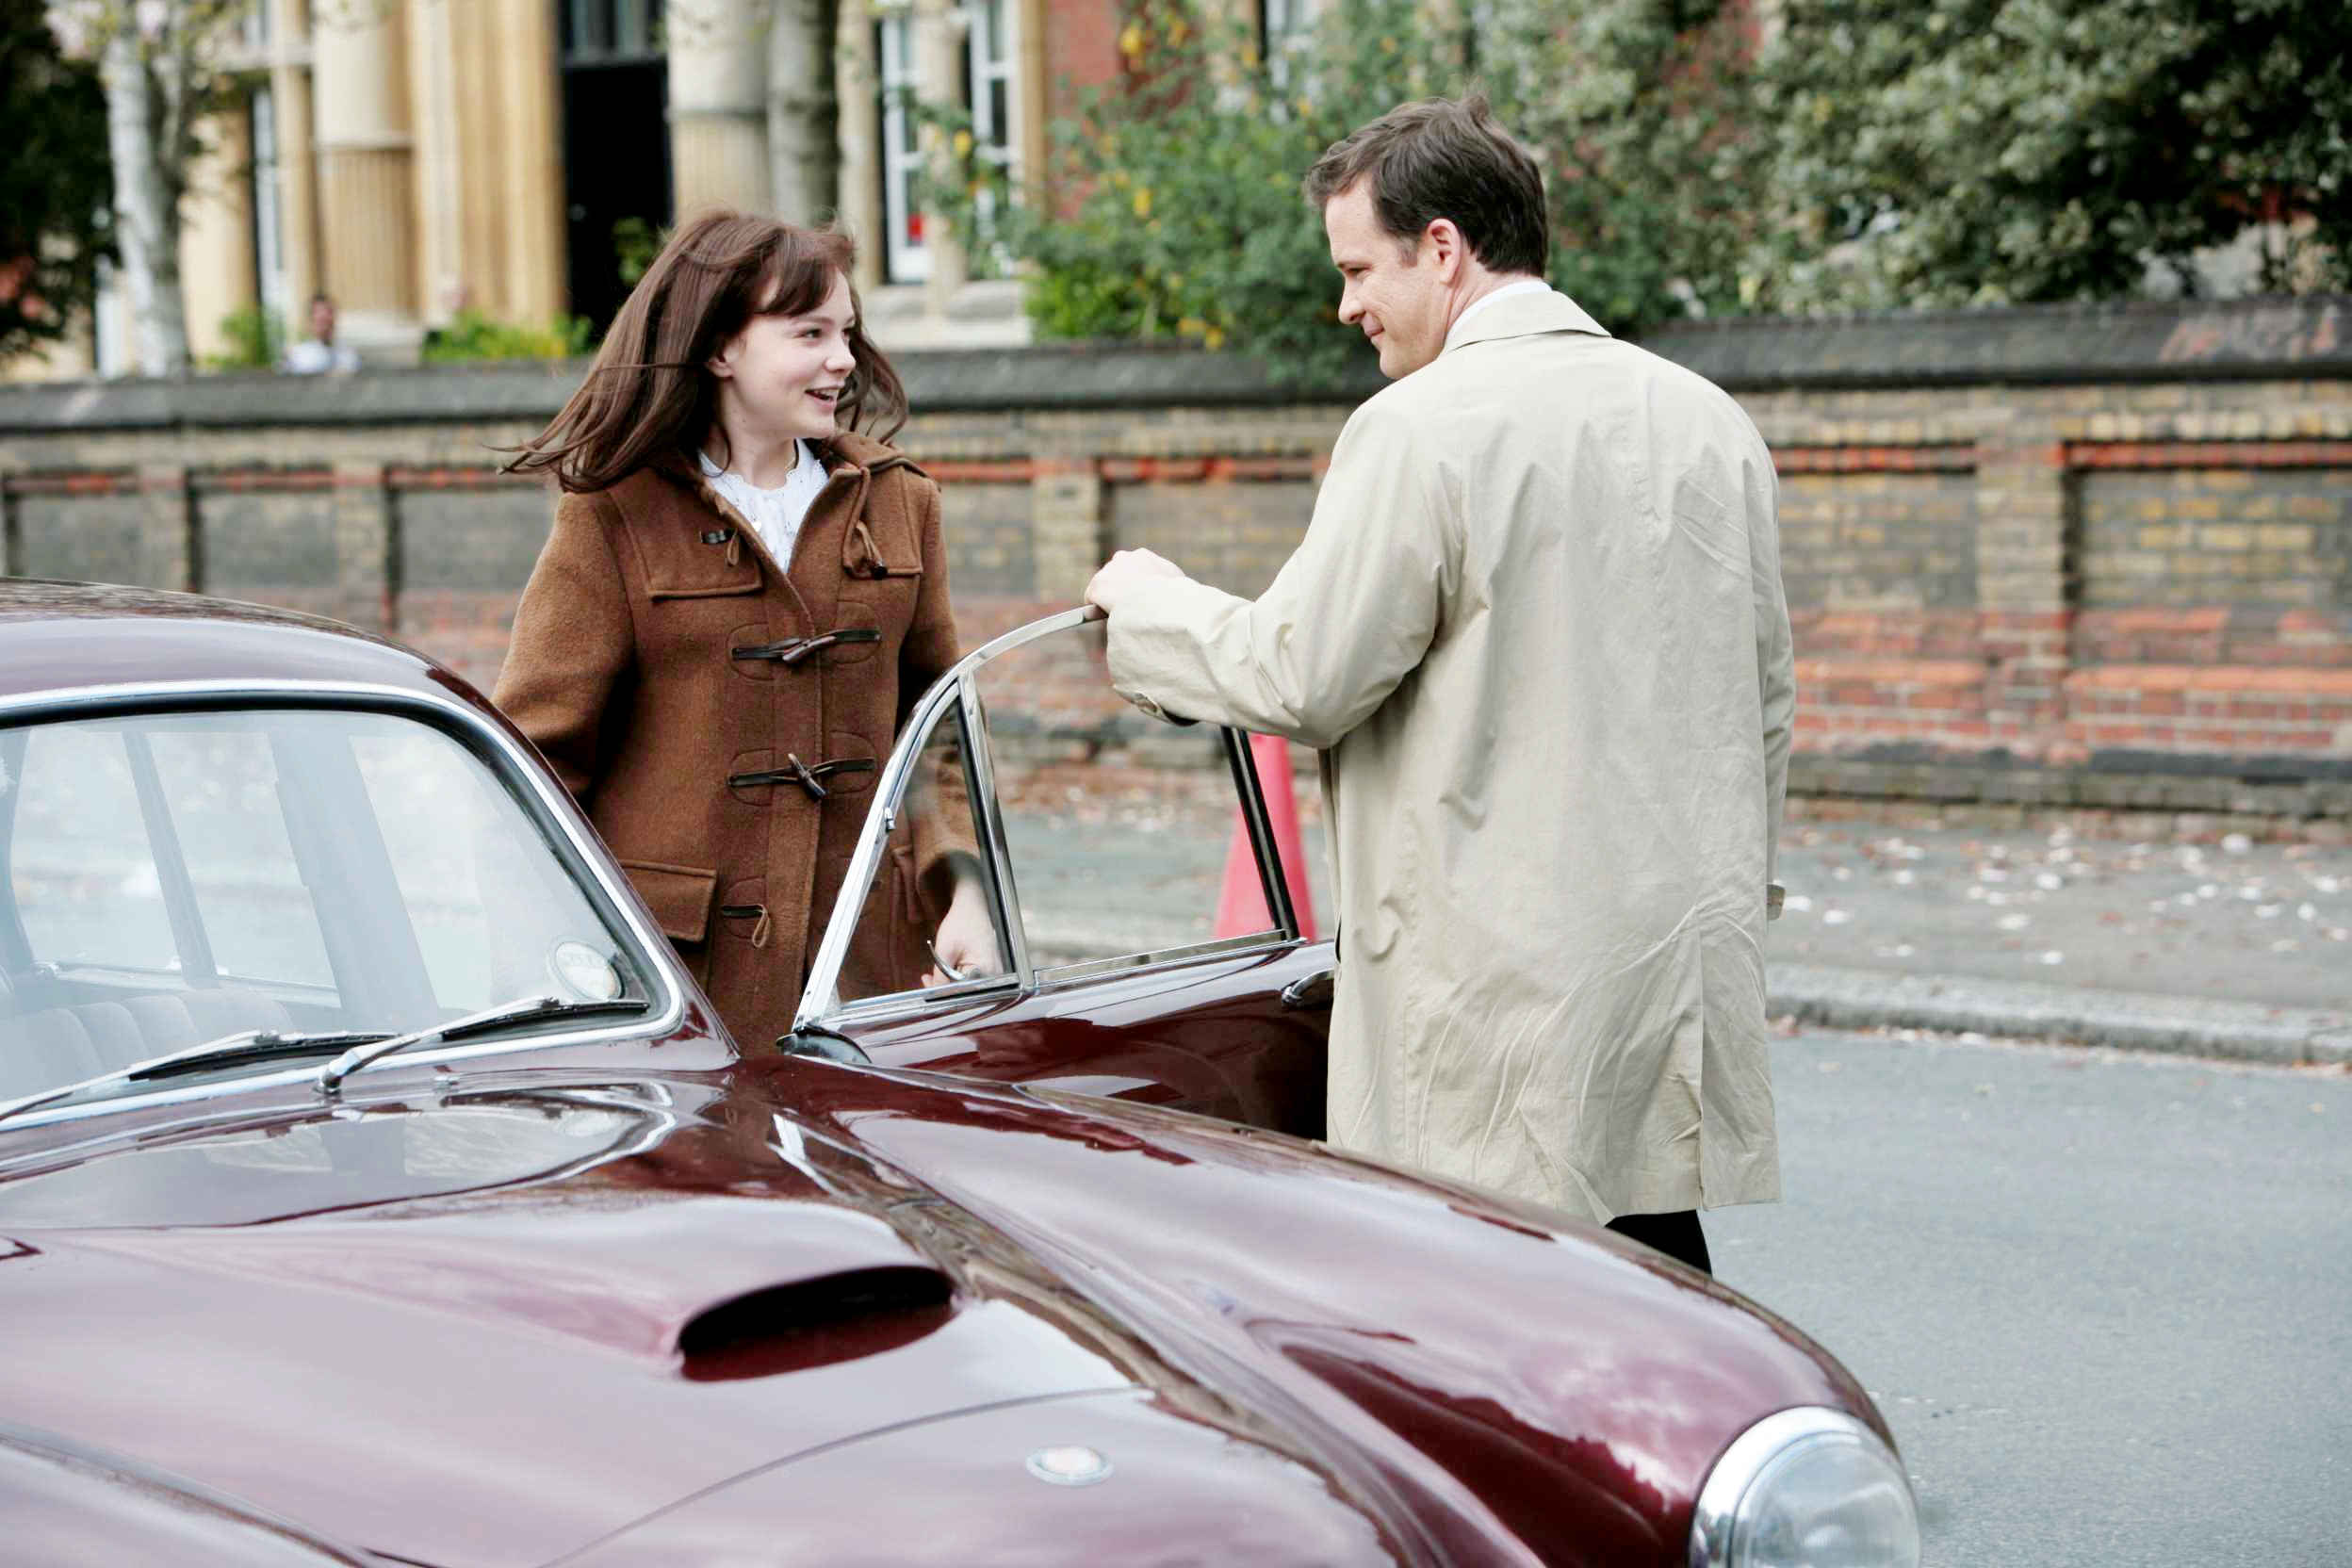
[[1241, 902]]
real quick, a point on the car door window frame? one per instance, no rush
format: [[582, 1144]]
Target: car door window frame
[[821, 1003]]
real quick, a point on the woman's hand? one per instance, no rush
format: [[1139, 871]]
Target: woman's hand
[[965, 947]]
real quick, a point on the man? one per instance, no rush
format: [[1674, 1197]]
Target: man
[[319, 352], [1537, 626]]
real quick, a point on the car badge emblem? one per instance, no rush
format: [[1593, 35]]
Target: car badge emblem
[[1069, 1466]]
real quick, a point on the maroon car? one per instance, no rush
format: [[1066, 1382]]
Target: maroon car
[[375, 1186]]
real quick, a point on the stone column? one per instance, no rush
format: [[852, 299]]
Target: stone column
[[718, 53], [503, 188], [859, 202], [938, 47], [532, 285], [368, 198], [443, 255], [216, 234], [804, 111]]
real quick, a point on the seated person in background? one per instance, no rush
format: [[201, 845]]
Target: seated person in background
[[318, 352]]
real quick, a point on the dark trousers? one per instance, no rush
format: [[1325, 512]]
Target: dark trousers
[[1676, 1234]]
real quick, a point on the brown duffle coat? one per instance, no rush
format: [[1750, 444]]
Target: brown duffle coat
[[722, 718]]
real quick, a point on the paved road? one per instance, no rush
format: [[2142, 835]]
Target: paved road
[[2105, 1299]]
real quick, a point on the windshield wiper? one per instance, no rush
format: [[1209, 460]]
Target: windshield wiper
[[363, 1046], [528, 1009], [246, 1045]]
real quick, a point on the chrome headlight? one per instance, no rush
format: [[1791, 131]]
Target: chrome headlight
[[1806, 1488]]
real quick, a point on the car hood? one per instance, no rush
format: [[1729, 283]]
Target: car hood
[[508, 1318]]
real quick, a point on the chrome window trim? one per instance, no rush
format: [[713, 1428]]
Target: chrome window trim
[[555, 808], [821, 1003], [978, 748], [891, 1005], [820, 1000], [1736, 1471], [1268, 941], [883, 1009]]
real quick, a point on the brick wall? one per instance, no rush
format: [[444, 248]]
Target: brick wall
[[1894, 540], [2106, 562]]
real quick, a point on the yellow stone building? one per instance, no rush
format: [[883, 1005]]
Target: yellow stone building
[[412, 158]]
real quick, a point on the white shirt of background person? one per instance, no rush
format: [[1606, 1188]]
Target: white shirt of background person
[[311, 357]]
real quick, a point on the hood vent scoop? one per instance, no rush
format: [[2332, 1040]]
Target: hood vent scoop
[[813, 1323]]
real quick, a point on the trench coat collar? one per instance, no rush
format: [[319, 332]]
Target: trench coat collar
[[1524, 316]]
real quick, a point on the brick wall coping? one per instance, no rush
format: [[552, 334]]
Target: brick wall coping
[[2302, 338], [2306, 337], [1043, 377]]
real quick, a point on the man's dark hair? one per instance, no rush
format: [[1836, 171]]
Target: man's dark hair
[[1442, 159]]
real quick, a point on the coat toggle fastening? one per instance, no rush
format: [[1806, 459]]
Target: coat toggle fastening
[[793, 651], [800, 772]]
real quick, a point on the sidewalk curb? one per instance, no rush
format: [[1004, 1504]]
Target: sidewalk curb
[[2126, 1020]]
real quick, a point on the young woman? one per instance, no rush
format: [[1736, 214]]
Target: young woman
[[739, 601]]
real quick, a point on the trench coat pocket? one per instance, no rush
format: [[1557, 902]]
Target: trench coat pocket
[[679, 897]]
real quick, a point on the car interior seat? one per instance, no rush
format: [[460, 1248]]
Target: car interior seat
[[51, 1046]]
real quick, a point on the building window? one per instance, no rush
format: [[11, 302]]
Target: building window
[[905, 255], [616, 144], [988, 69], [985, 89], [601, 30]]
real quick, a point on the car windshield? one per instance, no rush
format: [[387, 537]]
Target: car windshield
[[175, 879]]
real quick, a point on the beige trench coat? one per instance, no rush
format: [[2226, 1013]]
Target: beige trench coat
[[1537, 625]]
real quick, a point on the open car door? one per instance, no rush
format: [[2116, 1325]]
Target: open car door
[[1106, 977]]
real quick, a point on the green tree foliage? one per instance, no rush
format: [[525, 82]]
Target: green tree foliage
[[55, 221], [1643, 114], [1173, 206], [1850, 154], [1956, 152]]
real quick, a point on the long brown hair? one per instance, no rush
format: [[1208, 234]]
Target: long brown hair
[[649, 398]]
